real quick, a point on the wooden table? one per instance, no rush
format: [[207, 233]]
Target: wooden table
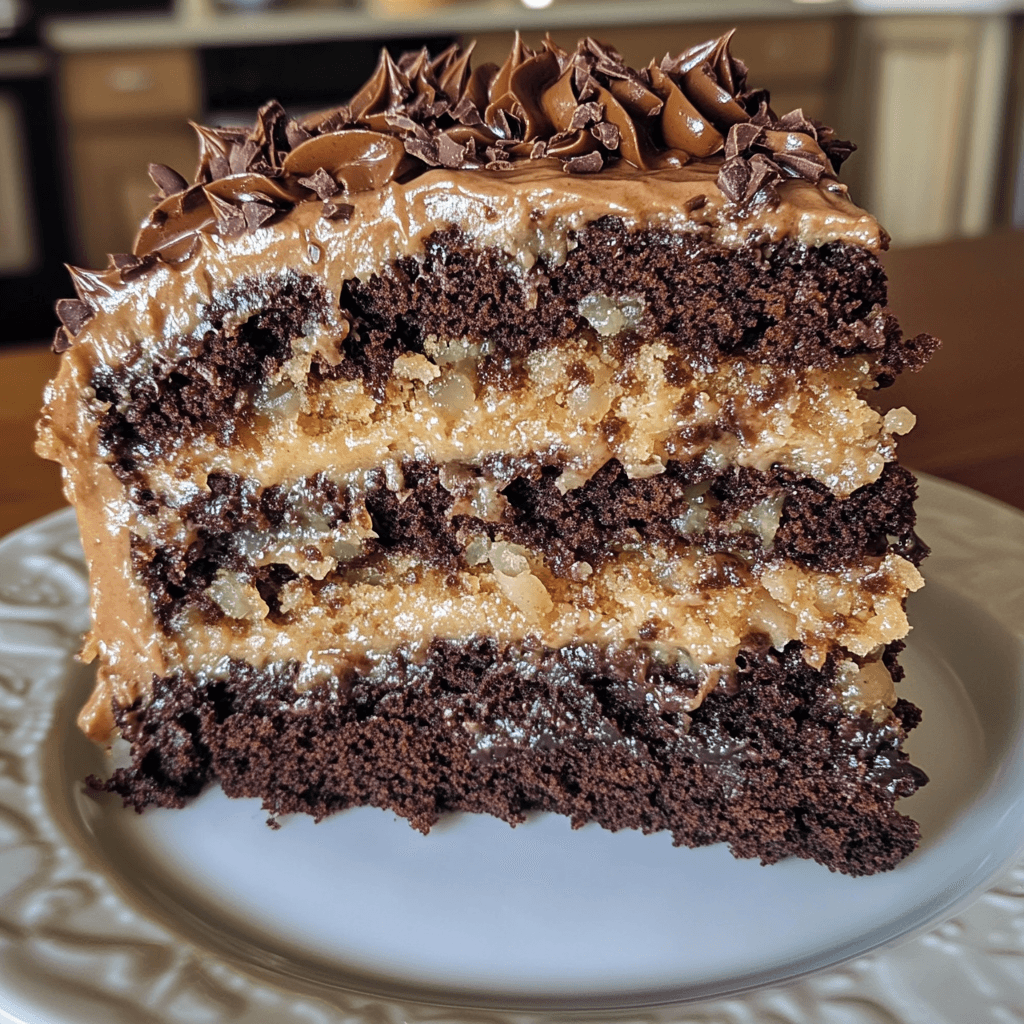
[[969, 401]]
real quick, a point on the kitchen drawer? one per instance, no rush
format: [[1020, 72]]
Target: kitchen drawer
[[129, 85]]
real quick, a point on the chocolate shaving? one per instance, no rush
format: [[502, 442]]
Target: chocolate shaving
[[241, 157], [795, 121], [466, 112], [590, 163], [425, 151], [508, 126], [741, 138], [131, 265], [272, 121], [230, 219], [583, 81], [799, 164], [257, 214], [321, 183], [168, 180], [193, 199], [219, 167], [406, 124], [762, 172], [586, 114], [337, 211], [733, 179], [607, 134], [449, 152], [838, 151], [61, 342], [74, 314], [295, 134]]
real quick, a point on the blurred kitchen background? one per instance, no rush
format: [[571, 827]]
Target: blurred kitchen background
[[92, 90]]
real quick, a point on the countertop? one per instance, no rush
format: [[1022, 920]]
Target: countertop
[[969, 400]]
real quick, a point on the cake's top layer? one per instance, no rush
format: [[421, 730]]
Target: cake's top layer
[[517, 157]]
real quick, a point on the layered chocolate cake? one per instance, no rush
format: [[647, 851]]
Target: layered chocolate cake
[[501, 441]]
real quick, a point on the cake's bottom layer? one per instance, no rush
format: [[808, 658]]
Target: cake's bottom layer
[[768, 763]]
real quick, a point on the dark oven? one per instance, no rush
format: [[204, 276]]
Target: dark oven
[[32, 223]]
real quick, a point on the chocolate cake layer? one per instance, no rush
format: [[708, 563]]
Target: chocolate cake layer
[[157, 408], [783, 304], [689, 501], [769, 764]]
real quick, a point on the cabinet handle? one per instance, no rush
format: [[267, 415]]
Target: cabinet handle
[[130, 78]]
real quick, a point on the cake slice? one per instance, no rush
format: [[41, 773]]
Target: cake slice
[[501, 441]]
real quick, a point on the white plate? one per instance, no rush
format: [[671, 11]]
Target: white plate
[[206, 915]]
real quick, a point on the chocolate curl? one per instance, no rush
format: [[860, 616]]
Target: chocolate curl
[[230, 219], [168, 180], [74, 314], [61, 342], [321, 183]]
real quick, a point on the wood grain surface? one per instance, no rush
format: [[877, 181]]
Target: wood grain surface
[[969, 400]]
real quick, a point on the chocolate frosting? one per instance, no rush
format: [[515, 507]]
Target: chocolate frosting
[[585, 109]]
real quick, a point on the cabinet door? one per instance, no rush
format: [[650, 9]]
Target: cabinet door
[[130, 85], [112, 186], [928, 96]]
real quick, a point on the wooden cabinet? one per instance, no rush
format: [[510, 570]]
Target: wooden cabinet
[[927, 101], [124, 110]]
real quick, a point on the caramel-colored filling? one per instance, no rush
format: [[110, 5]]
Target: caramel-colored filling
[[580, 401], [696, 607], [584, 404]]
